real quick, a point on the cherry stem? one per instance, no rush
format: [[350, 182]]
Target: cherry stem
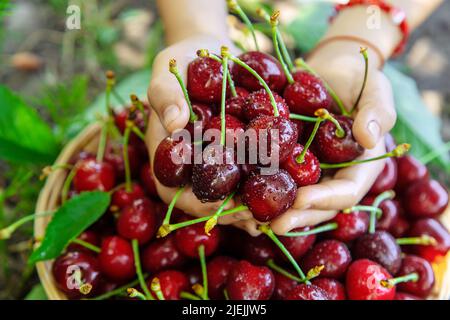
[[110, 82], [426, 159], [67, 184], [166, 221], [399, 151], [204, 53], [46, 171], [424, 240], [212, 221], [363, 51], [118, 97], [173, 227], [126, 160], [386, 195], [274, 25], [201, 254], [7, 232], [261, 81], [375, 210], [188, 296], [268, 232], [133, 293], [155, 286], [137, 264], [138, 132], [102, 143], [236, 8], [389, 283], [325, 115], [223, 127], [140, 106], [87, 245], [118, 291], [294, 116], [301, 157], [302, 64], [326, 227], [225, 294], [272, 265], [174, 70], [287, 58]]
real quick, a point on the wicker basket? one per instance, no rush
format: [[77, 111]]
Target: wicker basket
[[88, 140]]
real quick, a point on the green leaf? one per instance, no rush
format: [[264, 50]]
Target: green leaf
[[69, 221], [24, 136], [415, 124], [37, 293], [310, 25], [136, 83]]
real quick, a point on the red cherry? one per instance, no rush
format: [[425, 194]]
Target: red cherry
[[249, 282], [138, 221], [387, 178], [204, 77], [363, 281], [297, 246], [66, 265], [283, 286], [265, 65], [306, 94], [379, 247], [410, 170], [217, 176], [306, 173], [425, 199], [91, 175], [400, 227], [284, 129], [350, 226], [87, 236], [435, 229], [334, 289], [162, 254], [148, 180], [423, 286], [258, 103], [268, 196], [172, 165], [233, 126], [116, 259], [405, 296], [121, 117], [331, 149], [190, 238], [219, 269], [307, 292], [121, 198], [204, 115], [258, 249], [172, 283], [234, 105], [390, 212], [333, 255]]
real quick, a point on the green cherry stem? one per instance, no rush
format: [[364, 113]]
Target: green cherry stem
[[225, 294], [110, 82], [155, 286], [303, 65], [294, 116], [102, 142], [326, 227], [126, 160], [236, 8], [274, 25], [272, 265], [163, 230], [268, 232], [137, 264], [7, 232], [67, 184], [201, 255], [287, 58], [390, 194], [399, 151], [87, 245], [118, 291], [261, 81], [223, 128], [389, 283], [212, 221], [174, 70], [363, 52], [139, 106], [173, 227], [203, 53], [134, 293], [188, 296], [301, 157], [424, 240], [375, 210]]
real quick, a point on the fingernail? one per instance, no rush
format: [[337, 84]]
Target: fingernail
[[170, 114], [374, 129]]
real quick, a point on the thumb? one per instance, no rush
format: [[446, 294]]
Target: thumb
[[167, 99]]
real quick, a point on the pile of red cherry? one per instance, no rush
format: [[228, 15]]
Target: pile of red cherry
[[349, 262]]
